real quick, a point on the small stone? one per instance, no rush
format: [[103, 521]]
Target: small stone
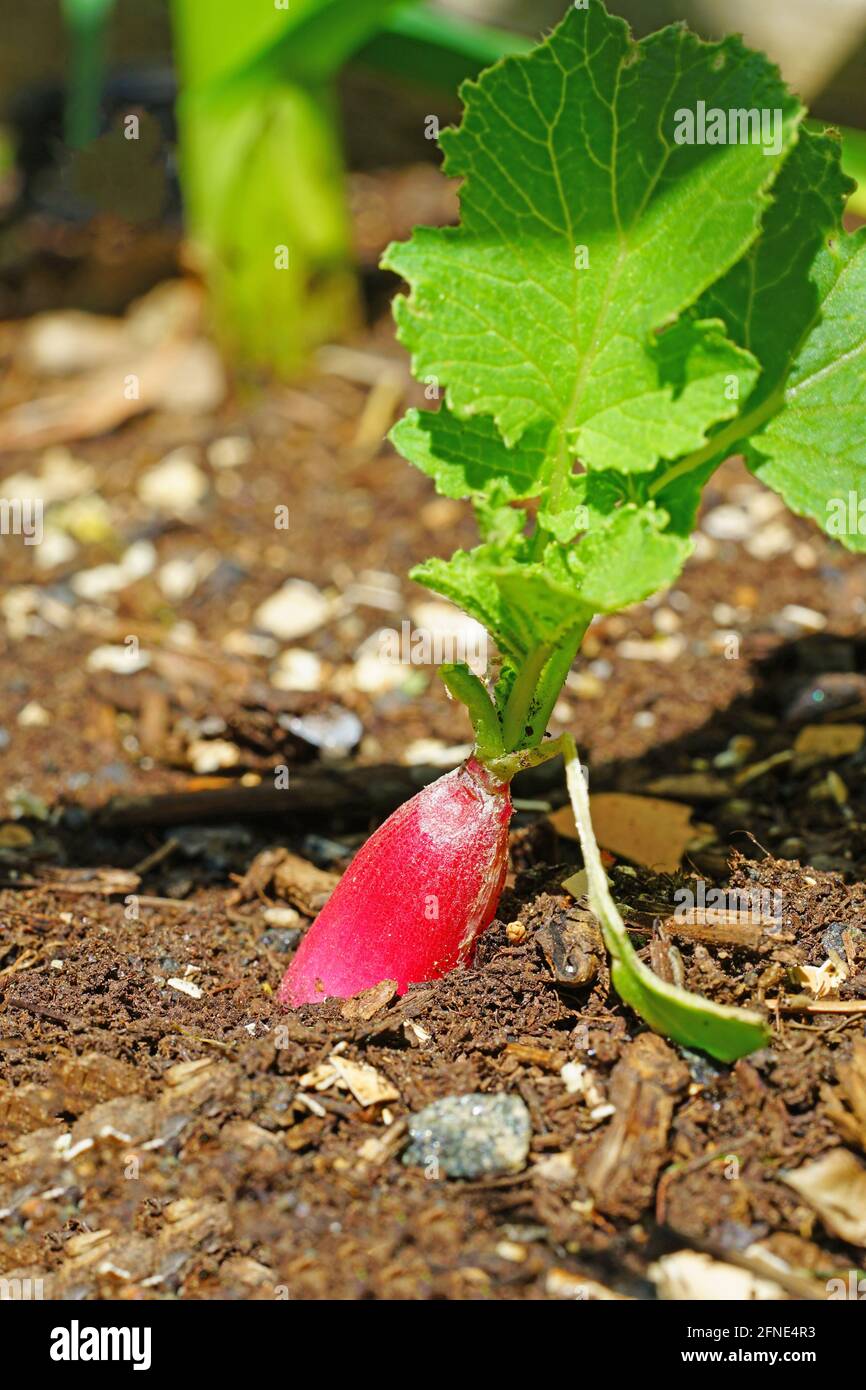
[[295, 610], [281, 916], [376, 674], [728, 523], [297, 669], [805, 618], [833, 939], [34, 716], [232, 451], [177, 579], [136, 563], [333, 730], [56, 549], [248, 644], [175, 485], [443, 633], [771, 541], [281, 939], [120, 661], [664, 649], [433, 752], [471, 1135], [185, 987], [586, 685], [211, 755]]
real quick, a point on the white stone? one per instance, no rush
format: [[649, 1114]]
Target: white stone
[[213, 754], [295, 610], [176, 484], [297, 669], [186, 987], [727, 523], [376, 675], [34, 716], [232, 451], [177, 579], [56, 549], [121, 661]]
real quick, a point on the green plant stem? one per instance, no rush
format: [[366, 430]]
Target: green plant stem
[[465, 686], [536, 690], [263, 183], [689, 1019], [86, 25], [519, 703], [721, 443]]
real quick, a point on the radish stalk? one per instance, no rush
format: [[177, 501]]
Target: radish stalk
[[725, 1033]]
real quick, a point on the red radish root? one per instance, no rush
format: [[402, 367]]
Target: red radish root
[[415, 898]]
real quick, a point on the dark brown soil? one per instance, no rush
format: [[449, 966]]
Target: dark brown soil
[[154, 1144]]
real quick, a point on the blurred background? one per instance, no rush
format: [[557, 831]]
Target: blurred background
[[224, 90], [198, 369]]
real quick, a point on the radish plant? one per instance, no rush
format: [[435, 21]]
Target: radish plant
[[649, 274]]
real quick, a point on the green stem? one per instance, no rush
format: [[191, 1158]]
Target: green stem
[[508, 766], [515, 725], [86, 26], [720, 443], [536, 691], [465, 686], [689, 1019]]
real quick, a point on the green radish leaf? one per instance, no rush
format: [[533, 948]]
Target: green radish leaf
[[813, 450], [468, 458], [796, 302], [526, 602], [689, 1019], [586, 230]]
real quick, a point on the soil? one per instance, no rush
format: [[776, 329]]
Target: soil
[[159, 1143]]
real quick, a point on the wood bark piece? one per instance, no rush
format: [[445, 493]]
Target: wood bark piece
[[357, 793], [622, 1171]]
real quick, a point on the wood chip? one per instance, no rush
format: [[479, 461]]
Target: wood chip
[[690, 1274], [835, 1187], [544, 1057], [368, 1086], [369, 1002], [303, 884], [846, 1103], [622, 1170], [800, 1003], [829, 740]]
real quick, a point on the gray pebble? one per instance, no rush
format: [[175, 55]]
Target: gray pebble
[[281, 939], [469, 1136], [832, 937]]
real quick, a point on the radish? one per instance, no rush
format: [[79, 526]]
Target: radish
[[416, 897], [581, 420]]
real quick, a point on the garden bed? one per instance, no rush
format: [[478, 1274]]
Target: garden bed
[[205, 1160]]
